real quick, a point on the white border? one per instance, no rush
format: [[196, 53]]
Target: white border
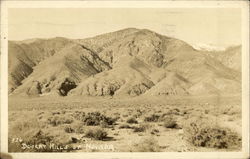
[[244, 5]]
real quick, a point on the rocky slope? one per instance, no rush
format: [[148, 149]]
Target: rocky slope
[[24, 55], [231, 57], [129, 62]]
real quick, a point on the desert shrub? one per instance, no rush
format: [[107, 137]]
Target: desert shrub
[[96, 133], [57, 120], [54, 113], [117, 115], [138, 113], [96, 118], [148, 144], [206, 111], [104, 124], [141, 128], [152, 118], [125, 126], [173, 112], [125, 115], [41, 137], [176, 110], [63, 111], [79, 130], [68, 121], [169, 122], [68, 129], [154, 131], [74, 140], [210, 135], [132, 121], [78, 115], [78, 127]]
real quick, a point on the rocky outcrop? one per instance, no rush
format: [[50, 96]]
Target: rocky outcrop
[[35, 89]]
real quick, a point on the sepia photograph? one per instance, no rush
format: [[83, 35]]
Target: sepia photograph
[[125, 79]]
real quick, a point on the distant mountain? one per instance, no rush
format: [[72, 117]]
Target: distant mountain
[[128, 62], [208, 47], [231, 57]]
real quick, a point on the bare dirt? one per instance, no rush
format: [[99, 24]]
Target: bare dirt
[[62, 119]]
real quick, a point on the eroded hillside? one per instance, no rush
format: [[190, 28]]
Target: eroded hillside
[[129, 62]]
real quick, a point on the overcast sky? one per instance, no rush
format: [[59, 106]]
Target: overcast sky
[[220, 27]]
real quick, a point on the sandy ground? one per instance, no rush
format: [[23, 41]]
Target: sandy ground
[[28, 116]]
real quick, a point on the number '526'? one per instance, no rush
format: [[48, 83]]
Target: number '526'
[[15, 140]]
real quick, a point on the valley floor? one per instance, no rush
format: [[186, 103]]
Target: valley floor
[[165, 124]]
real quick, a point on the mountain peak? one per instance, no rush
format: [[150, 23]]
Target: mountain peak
[[128, 29], [127, 62], [208, 47]]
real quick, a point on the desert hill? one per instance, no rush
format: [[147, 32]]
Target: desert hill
[[231, 57], [129, 62], [24, 55]]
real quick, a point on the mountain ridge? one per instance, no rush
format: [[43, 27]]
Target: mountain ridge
[[128, 62]]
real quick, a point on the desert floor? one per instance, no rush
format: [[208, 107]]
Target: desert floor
[[164, 124]]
